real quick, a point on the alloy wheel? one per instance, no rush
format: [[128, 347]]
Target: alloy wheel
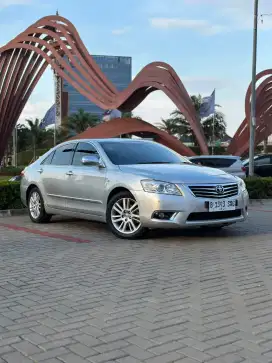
[[125, 216], [35, 205]]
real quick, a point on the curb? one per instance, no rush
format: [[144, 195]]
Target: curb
[[12, 212], [267, 202]]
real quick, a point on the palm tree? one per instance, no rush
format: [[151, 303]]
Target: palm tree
[[186, 131], [130, 115], [215, 127], [38, 135], [80, 121]]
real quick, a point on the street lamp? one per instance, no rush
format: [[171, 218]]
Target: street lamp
[[253, 92]]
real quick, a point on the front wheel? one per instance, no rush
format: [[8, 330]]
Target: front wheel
[[123, 216], [36, 208]]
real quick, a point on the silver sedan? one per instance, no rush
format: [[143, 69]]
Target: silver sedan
[[132, 185]]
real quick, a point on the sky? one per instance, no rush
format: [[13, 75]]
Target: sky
[[207, 42]]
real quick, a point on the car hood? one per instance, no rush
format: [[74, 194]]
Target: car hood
[[179, 173]]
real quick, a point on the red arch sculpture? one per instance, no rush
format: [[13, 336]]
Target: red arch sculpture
[[240, 142], [134, 126], [24, 59]]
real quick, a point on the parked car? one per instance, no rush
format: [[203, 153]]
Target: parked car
[[230, 164], [262, 165], [132, 185]]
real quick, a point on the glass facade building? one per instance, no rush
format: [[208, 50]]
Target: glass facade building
[[117, 69]]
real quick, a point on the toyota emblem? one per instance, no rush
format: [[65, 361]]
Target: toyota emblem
[[219, 189]]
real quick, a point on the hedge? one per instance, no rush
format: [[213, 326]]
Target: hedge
[[258, 188], [10, 195], [11, 170]]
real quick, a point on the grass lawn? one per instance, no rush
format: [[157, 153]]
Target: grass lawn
[[4, 177]]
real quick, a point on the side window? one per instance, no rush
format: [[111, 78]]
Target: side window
[[83, 149], [48, 159], [195, 161], [64, 155], [263, 161]]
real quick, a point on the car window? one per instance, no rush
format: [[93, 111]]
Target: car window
[[132, 153], [263, 161], [207, 162], [48, 159], [217, 162], [64, 155], [83, 149]]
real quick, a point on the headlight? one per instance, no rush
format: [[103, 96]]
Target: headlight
[[242, 184], [159, 187]]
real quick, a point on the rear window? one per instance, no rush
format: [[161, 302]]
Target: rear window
[[215, 162]]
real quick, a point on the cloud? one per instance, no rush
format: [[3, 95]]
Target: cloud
[[121, 31], [34, 110], [7, 3], [202, 26]]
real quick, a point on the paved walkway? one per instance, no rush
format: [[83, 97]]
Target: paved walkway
[[71, 292]]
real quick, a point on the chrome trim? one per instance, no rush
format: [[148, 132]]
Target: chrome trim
[[210, 190], [73, 198]]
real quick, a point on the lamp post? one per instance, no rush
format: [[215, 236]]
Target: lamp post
[[253, 92]]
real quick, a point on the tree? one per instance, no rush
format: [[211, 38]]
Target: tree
[[38, 135], [130, 115], [80, 121], [182, 129], [214, 127]]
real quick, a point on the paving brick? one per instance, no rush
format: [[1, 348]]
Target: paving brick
[[26, 348], [54, 353], [16, 357], [183, 296], [82, 350], [72, 358]]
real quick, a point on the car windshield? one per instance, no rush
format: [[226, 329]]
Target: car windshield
[[131, 153]]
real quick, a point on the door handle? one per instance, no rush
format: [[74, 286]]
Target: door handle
[[69, 173], [40, 170]]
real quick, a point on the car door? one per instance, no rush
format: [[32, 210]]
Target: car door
[[262, 166], [55, 176], [86, 183]]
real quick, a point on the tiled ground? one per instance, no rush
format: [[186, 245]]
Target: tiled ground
[[84, 296]]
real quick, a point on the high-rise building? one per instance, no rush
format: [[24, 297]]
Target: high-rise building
[[117, 69]]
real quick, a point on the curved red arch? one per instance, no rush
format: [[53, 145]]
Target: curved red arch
[[240, 142], [120, 126], [24, 59]]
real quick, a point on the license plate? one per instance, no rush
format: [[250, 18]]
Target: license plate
[[222, 205]]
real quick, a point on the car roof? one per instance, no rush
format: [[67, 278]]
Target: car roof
[[214, 157], [112, 140]]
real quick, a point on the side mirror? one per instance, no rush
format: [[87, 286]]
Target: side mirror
[[92, 160]]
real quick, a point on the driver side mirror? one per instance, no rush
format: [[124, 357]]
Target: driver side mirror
[[92, 160]]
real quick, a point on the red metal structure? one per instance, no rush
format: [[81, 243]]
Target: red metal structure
[[134, 126], [240, 142], [24, 59]]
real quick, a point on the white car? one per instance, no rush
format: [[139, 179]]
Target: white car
[[229, 163]]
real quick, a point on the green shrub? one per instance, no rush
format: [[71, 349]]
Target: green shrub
[[10, 195], [11, 170], [259, 188]]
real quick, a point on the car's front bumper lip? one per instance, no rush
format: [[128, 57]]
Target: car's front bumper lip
[[183, 206]]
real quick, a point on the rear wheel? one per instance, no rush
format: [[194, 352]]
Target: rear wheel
[[123, 216], [36, 209]]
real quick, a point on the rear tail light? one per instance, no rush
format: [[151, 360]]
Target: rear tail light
[[243, 169]]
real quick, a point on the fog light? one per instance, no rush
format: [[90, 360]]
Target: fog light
[[162, 215]]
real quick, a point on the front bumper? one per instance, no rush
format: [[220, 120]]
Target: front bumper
[[183, 207]]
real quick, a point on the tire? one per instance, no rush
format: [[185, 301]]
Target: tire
[[121, 221], [35, 207]]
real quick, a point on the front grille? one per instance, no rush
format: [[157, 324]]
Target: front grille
[[209, 216], [214, 191]]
